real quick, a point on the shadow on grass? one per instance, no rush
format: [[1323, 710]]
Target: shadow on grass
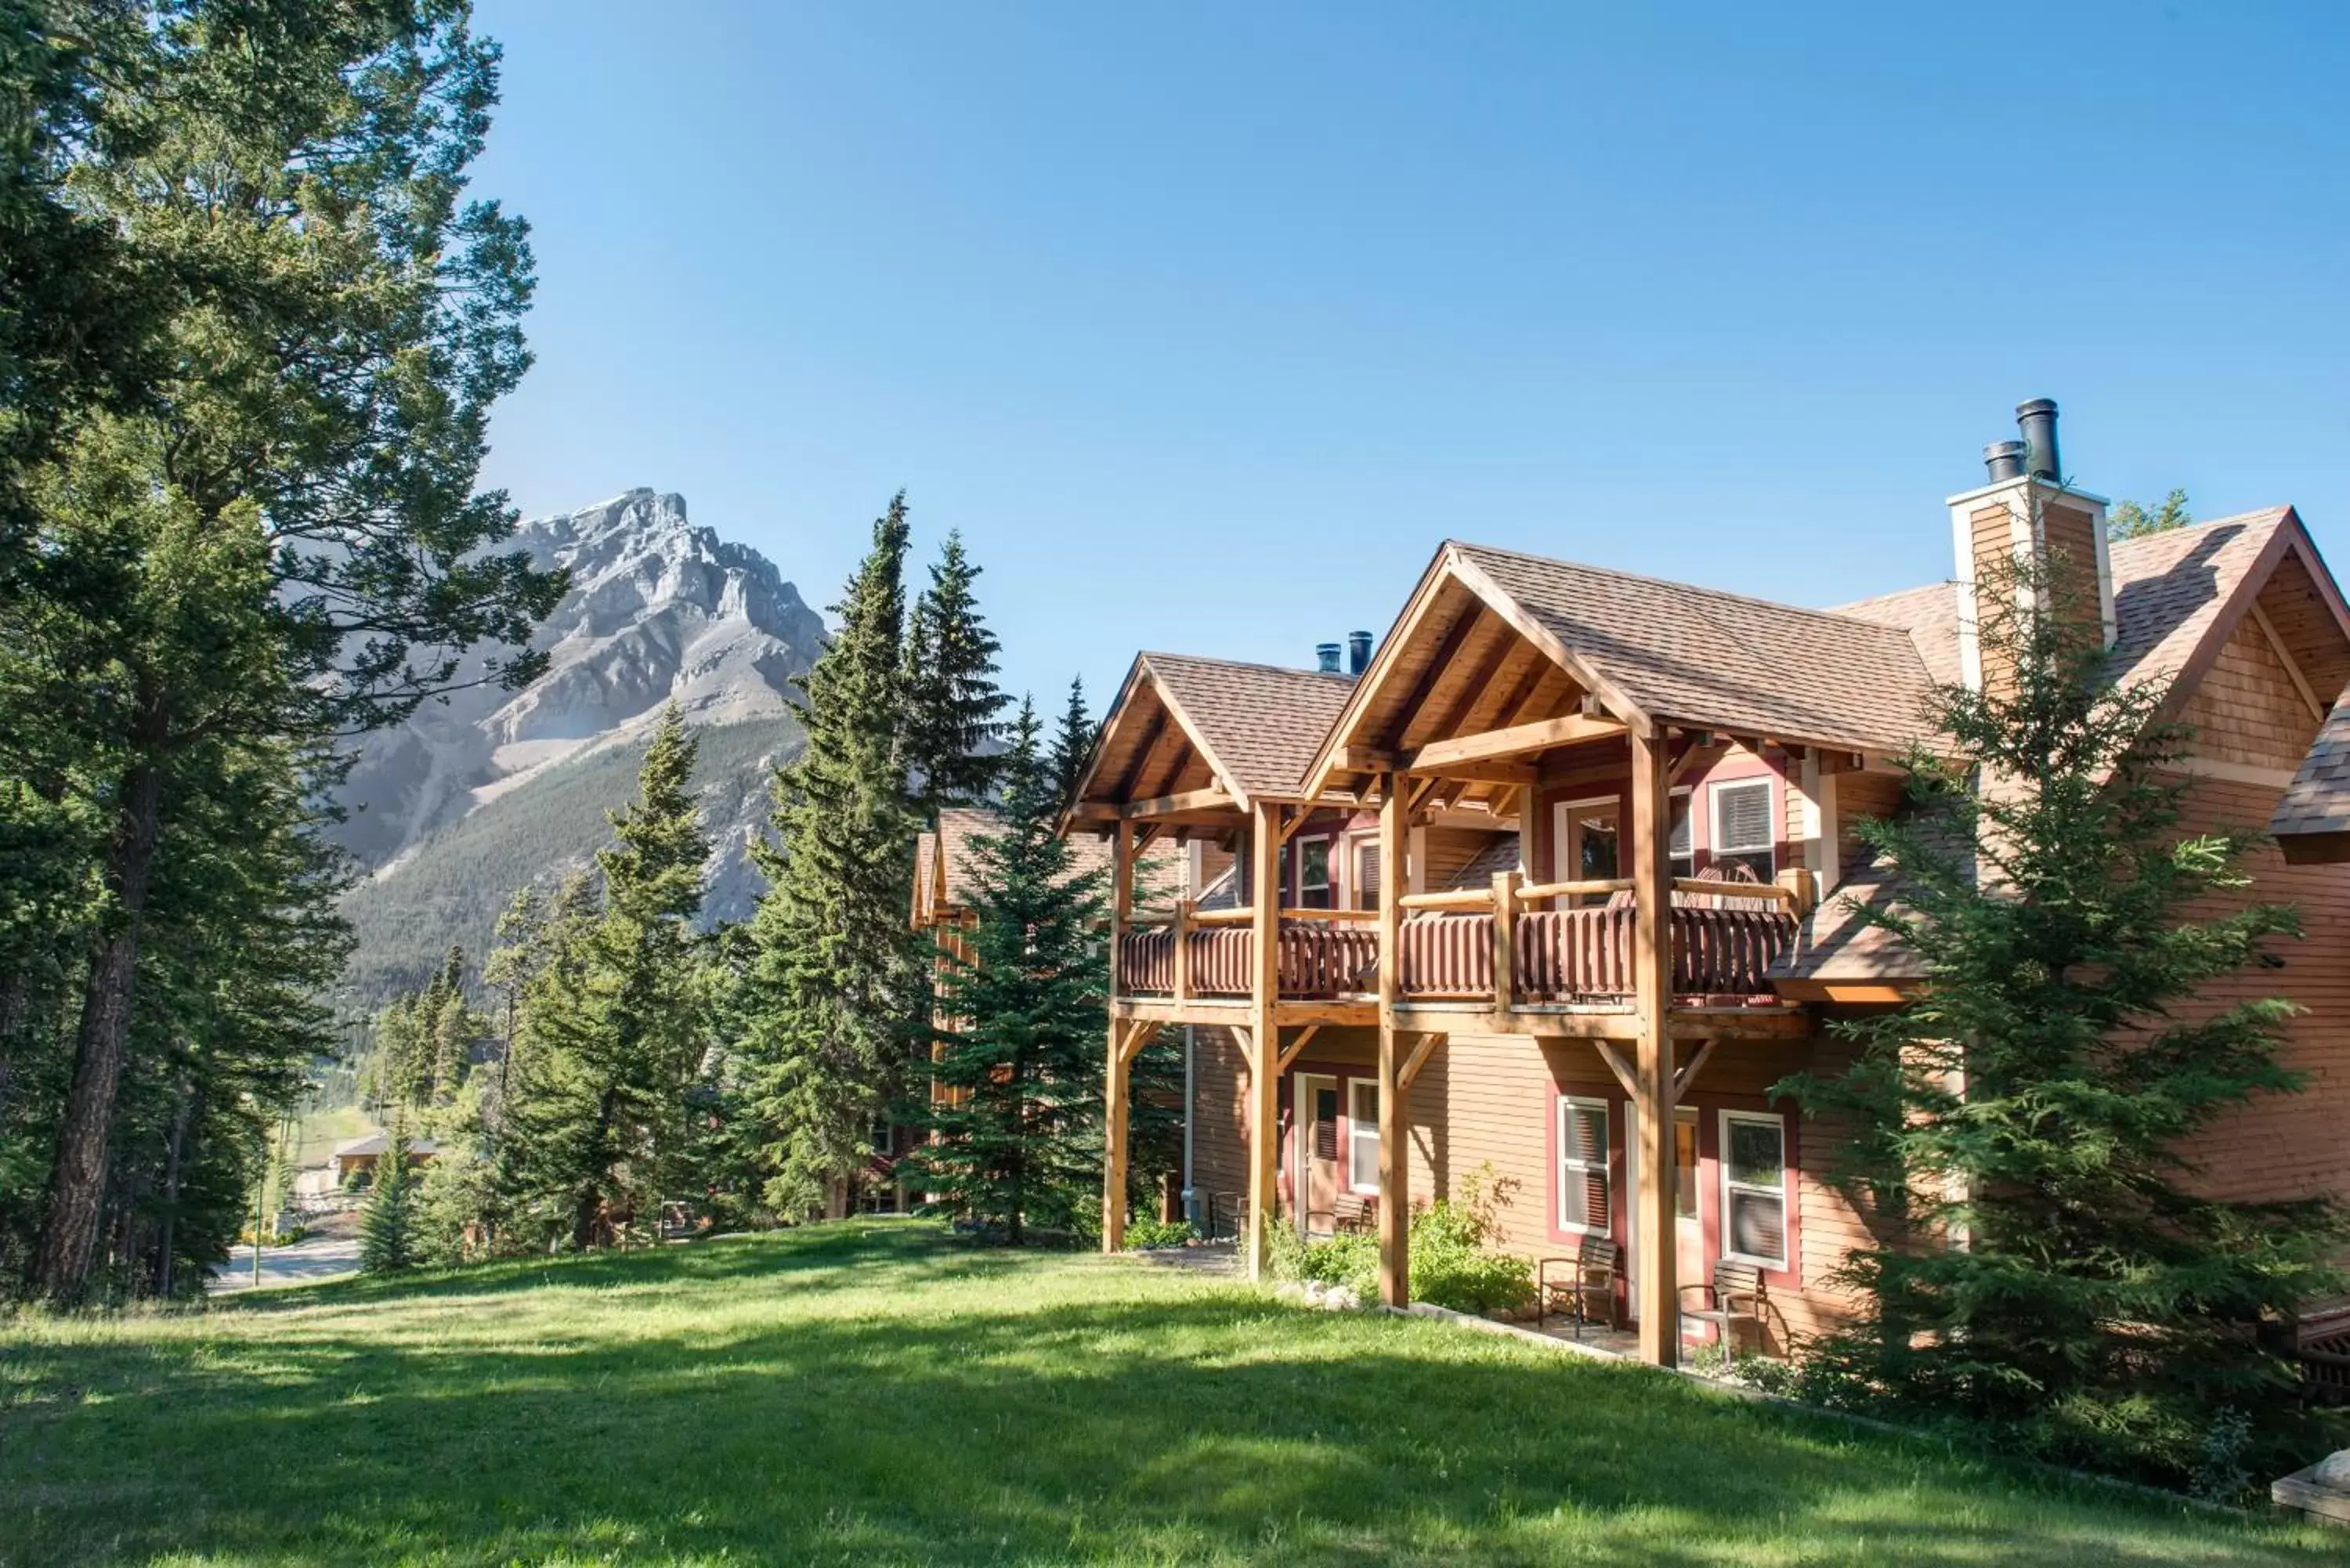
[[1121, 1417]]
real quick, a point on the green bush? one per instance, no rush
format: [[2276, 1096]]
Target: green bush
[[1452, 1263], [1142, 1233]]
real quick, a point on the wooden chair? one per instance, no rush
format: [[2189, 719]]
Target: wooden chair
[[1569, 1282], [1735, 1295], [1348, 1211]]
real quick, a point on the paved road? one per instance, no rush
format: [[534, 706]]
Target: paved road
[[311, 1258]]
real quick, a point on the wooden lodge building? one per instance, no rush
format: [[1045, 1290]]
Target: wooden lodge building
[[1554, 882]]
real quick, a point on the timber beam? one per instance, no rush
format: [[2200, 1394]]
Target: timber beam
[[1518, 740]]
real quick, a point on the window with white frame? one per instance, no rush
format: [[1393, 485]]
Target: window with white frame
[[1362, 1135], [1742, 827], [1367, 872], [1314, 874], [1754, 1189], [1681, 853], [1584, 1201]]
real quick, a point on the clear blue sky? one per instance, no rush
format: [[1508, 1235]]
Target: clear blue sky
[[1205, 324]]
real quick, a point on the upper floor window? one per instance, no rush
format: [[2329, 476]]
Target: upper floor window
[[1742, 827], [1678, 850], [1367, 873], [1314, 874]]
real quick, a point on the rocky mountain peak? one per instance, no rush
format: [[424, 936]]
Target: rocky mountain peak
[[660, 609]]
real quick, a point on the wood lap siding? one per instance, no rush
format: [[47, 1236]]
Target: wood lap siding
[[1450, 849], [1219, 1114], [2284, 1145], [1860, 795], [2246, 709]]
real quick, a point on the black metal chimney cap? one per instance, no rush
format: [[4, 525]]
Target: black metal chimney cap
[[1359, 651], [2004, 459], [2037, 420], [1325, 656]]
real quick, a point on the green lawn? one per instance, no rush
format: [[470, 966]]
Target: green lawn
[[876, 1394]]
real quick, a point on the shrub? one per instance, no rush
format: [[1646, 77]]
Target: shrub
[[1452, 1263], [1143, 1233]]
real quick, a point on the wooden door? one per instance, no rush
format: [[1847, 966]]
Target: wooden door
[[1314, 1115], [1589, 841]]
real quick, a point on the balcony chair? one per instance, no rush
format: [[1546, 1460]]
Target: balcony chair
[[1567, 1282], [1735, 1295], [1348, 1213]]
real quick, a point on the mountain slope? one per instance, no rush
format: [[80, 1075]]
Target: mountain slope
[[490, 790]]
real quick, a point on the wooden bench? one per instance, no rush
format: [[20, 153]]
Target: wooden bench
[[1735, 1295], [1567, 1282]]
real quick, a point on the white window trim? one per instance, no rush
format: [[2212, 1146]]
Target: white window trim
[[1349, 860], [1770, 847], [1329, 883], [1686, 1115], [1606, 1166], [1355, 1129], [1690, 818], [1785, 1193]]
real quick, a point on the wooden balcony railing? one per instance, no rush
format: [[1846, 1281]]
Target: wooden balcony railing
[[1451, 944], [1318, 953]]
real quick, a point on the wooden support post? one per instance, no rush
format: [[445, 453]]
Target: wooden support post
[[1182, 949], [1653, 1223], [1395, 1172], [1264, 1062], [1505, 938], [1114, 1137], [1121, 888]]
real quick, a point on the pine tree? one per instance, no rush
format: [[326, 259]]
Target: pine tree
[[387, 1239], [2047, 1268], [831, 987], [615, 1026], [2132, 520], [951, 701], [1073, 743], [1018, 1139]]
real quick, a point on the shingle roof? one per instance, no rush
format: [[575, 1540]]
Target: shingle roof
[[2318, 799], [1259, 723], [1701, 657], [2168, 591]]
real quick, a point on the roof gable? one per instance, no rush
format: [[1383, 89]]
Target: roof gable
[[1181, 721]]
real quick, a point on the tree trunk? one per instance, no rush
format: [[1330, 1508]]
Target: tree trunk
[[582, 1219], [68, 1245], [175, 1160]]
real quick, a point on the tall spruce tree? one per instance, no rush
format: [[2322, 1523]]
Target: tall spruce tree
[[951, 701], [387, 1238], [1073, 742], [1018, 1136], [616, 1025], [2048, 1265], [831, 987]]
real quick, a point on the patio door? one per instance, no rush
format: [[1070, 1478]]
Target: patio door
[[1314, 1118], [1588, 844]]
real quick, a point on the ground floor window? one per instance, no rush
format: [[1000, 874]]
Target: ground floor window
[[1363, 1135], [1754, 1188], [1583, 1198]]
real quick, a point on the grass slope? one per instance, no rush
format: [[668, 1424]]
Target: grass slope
[[452, 888], [875, 1394]]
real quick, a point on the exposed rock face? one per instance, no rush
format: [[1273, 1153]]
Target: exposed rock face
[[659, 609], [506, 781]]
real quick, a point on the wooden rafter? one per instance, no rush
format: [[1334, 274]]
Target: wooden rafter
[[1439, 663], [1516, 741], [1131, 773], [1479, 678]]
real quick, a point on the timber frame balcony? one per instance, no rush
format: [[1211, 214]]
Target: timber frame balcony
[[1185, 968], [1497, 957]]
